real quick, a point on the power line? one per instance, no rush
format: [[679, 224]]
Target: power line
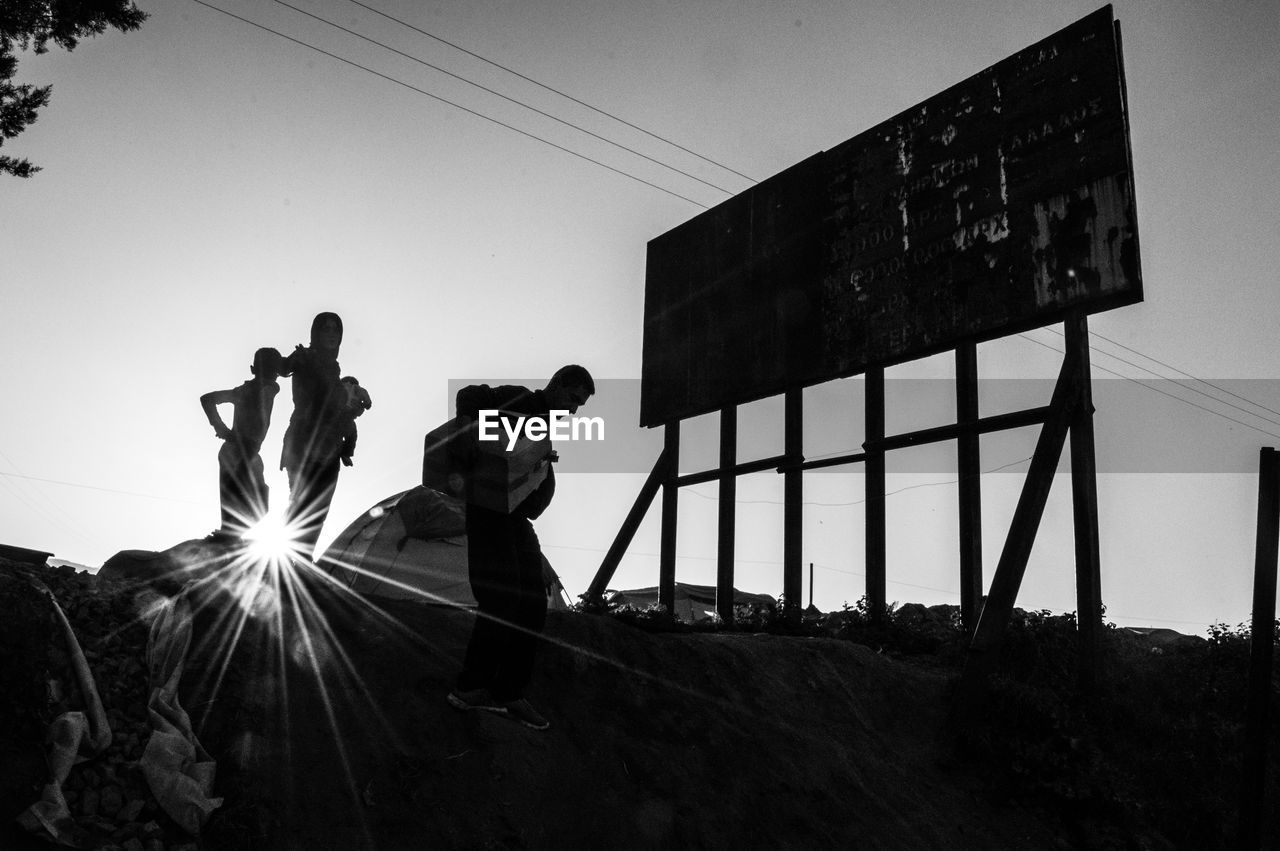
[[1166, 378], [1187, 374], [1161, 392], [553, 90], [56, 519], [37, 509], [447, 101], [96, 488], [501, 95], [679, 171]]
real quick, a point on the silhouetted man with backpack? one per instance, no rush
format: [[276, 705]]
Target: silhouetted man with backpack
[[505, 559]]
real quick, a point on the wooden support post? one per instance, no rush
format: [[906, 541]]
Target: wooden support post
[[1084, 505], [1254, 774], [728, 505], [984, 648], [670, 513], [793, 504], [595, 593], [874, 505], [969, 464]]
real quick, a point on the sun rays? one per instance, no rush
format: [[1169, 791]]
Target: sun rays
[[283, 649], [293, 672], [277, 633], [272, 540]]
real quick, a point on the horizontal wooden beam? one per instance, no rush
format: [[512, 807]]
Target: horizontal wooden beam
[[736, 470], [985, 425], [852, 458], [783, 463]]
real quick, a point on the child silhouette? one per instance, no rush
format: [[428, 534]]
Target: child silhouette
[[242, 487], [358, 402]]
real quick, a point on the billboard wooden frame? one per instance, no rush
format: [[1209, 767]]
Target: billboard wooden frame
[[785, 256], [1001, 204]]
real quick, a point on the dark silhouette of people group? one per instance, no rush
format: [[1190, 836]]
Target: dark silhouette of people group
[[504, 557], [321, 435]]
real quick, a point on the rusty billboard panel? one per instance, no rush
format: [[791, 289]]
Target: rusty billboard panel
[[995, 206], [728, 297]]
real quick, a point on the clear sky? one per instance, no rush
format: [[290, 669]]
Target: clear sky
[[209, 186]]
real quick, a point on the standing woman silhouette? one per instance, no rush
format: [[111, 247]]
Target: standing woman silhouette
[[313, 441]]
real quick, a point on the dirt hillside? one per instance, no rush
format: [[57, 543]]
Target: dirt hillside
[[657, 741], [331, 730], [326, 715]]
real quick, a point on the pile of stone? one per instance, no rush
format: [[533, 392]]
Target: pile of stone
[[108, 798]]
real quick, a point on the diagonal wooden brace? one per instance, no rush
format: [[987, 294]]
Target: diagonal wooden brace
[[659, 474], [988, 636]]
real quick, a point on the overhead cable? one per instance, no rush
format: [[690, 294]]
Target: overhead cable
[[1166, 378], [1182, 373], [496, 93], [443, 100], [57, 520], [96, 488], [1140, 383], [553, 90]]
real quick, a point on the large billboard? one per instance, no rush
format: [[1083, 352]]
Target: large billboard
[[995, 206]]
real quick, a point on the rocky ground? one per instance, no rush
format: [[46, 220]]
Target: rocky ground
[[107, 795], [328, 721]]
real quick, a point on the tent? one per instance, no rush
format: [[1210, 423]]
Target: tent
[[413, 545]]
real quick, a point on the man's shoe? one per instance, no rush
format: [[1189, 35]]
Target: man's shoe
[[475, 699], [520, 710]]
